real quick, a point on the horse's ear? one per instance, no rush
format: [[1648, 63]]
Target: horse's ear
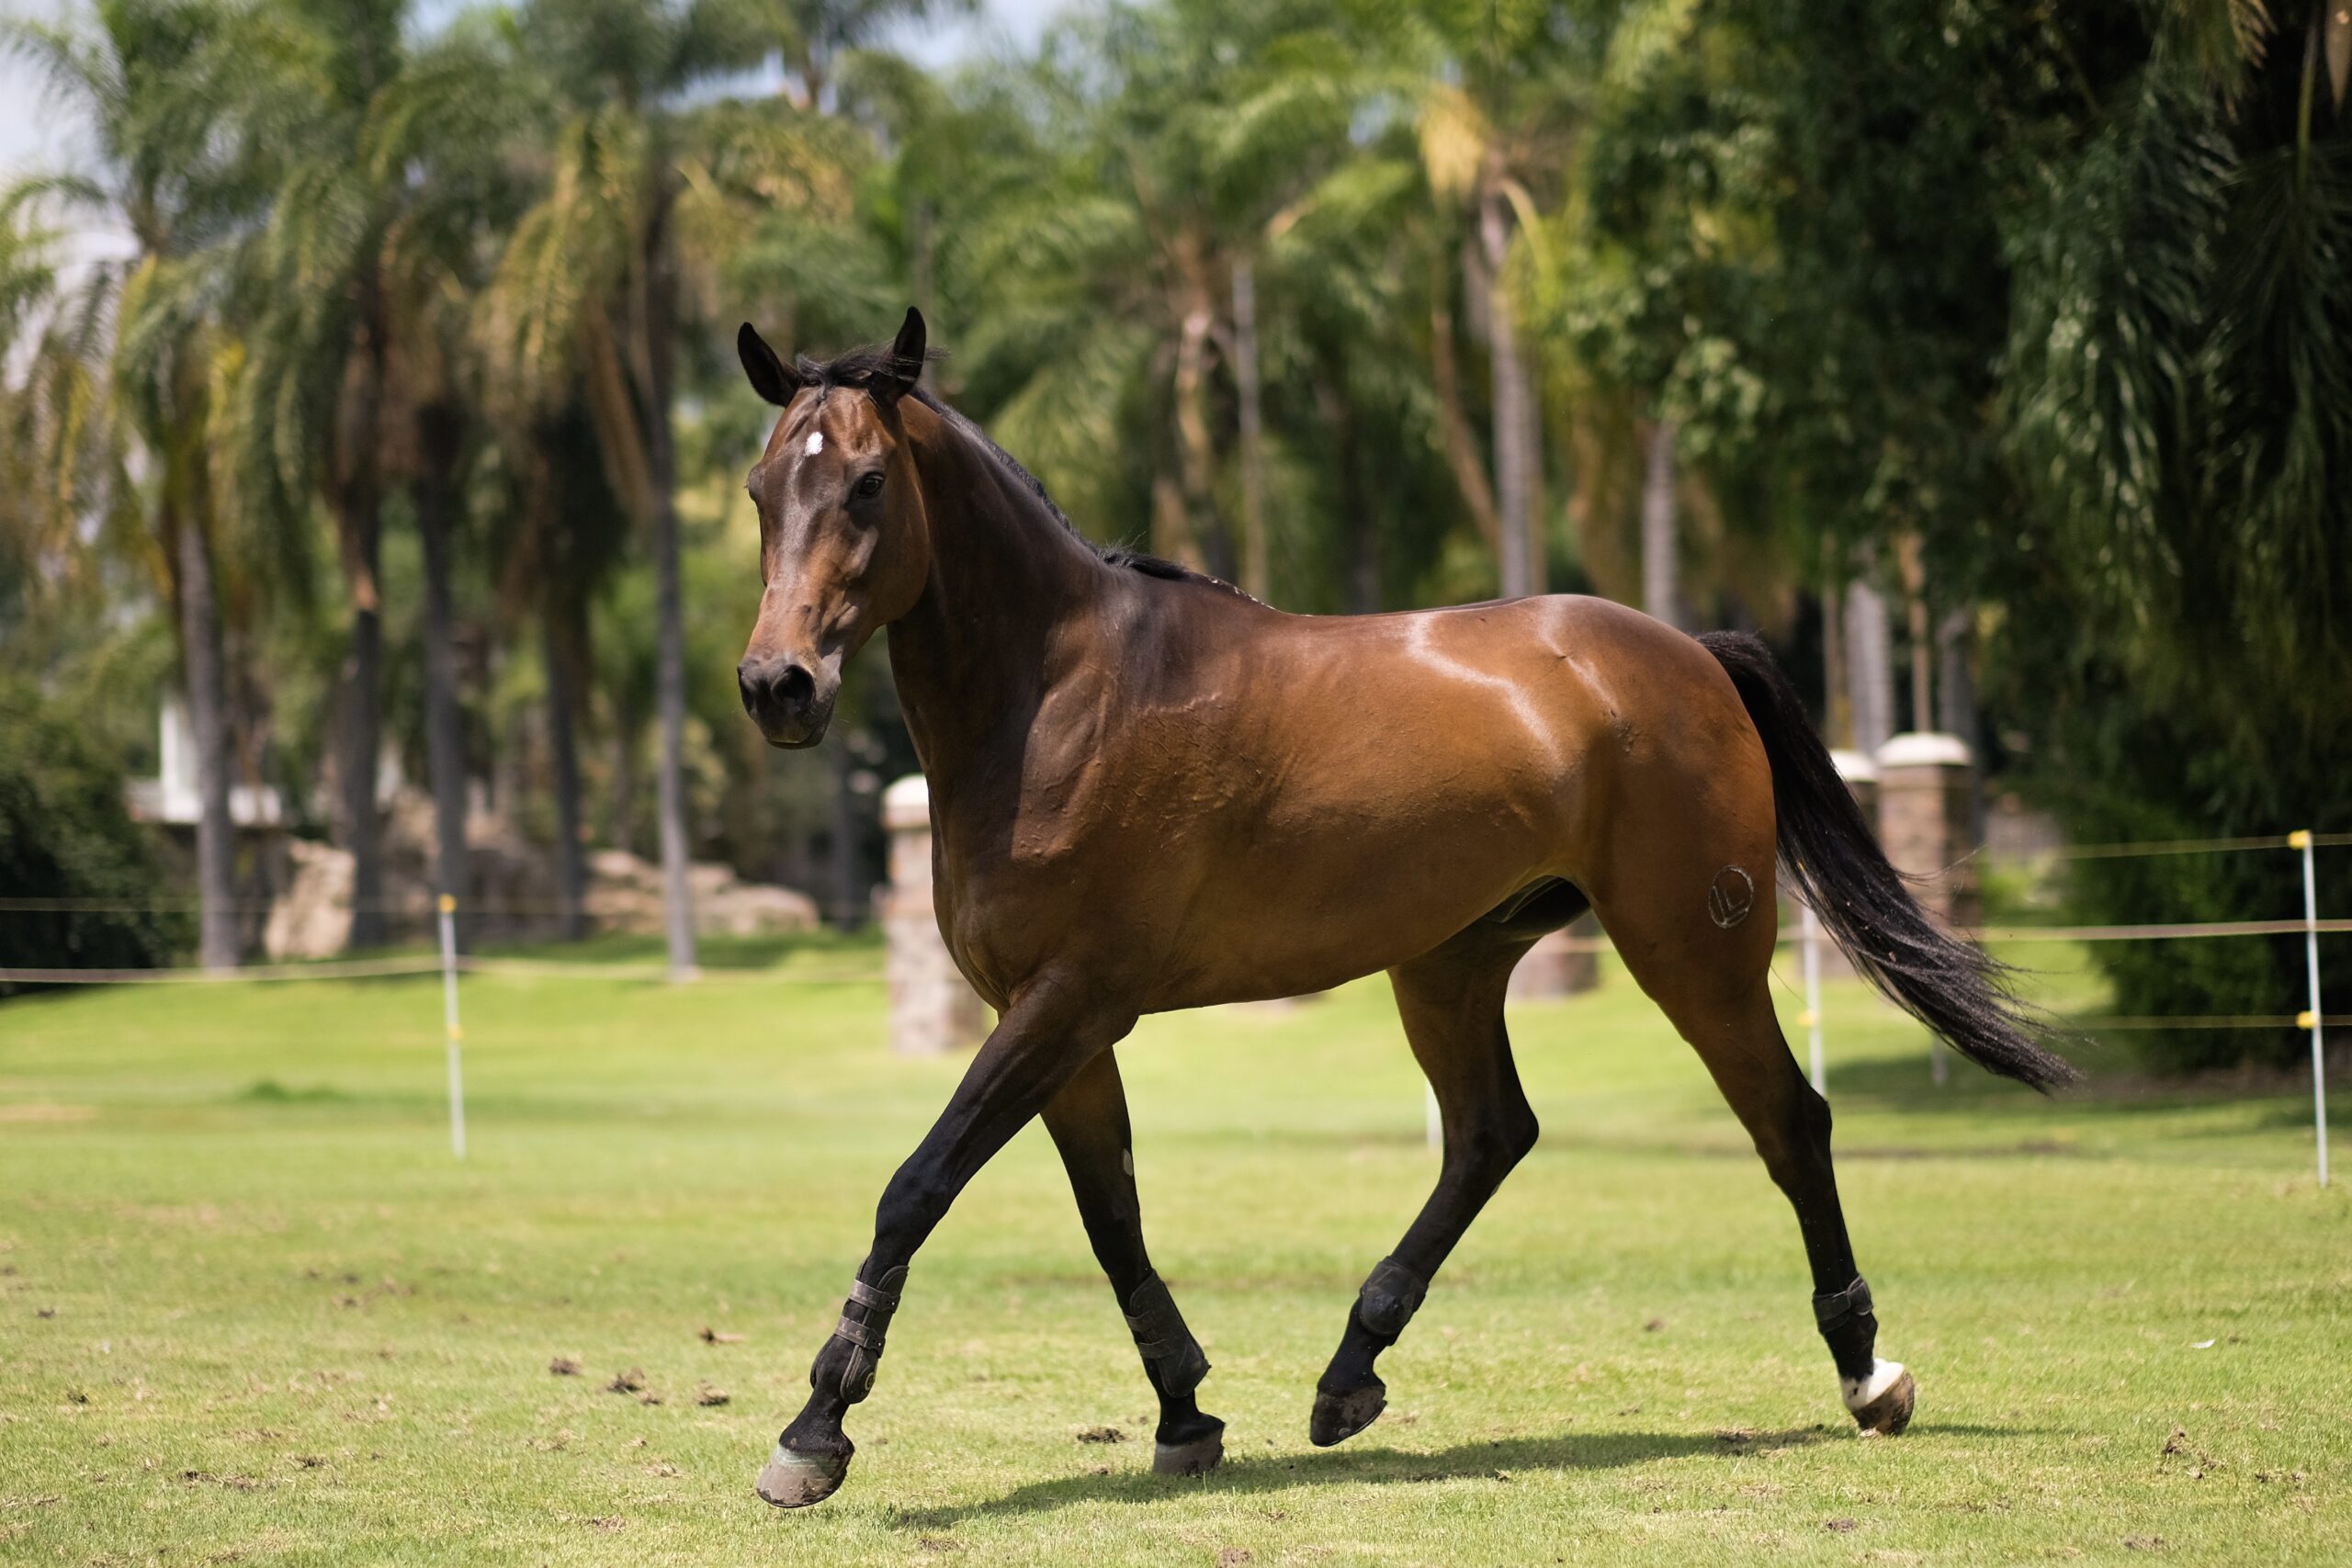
[[898, 378], [771, 377]]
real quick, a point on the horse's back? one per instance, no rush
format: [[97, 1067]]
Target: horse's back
[[1324, 797]]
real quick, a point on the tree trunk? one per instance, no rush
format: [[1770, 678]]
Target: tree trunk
[[1923, 646], [1869, 666], [1461, 453], [1957, 715], [849, 898], [924, 266], [1170, 538], [561, 646], [356, 497], [1530, 450], [1512, 399], [1195, 451], [1661, 546], [362, 734], [438, 434], [655, 320], [670, 787], [1254, 566], [1360, 590], [1956, 685], [1836, 701], [204, 667], [625, 736]]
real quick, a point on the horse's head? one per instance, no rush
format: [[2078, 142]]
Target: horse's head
[[843, 547]]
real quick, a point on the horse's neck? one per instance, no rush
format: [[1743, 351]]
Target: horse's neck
[[970, 658]]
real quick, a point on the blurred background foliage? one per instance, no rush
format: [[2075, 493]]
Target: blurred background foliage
[[392, 407]]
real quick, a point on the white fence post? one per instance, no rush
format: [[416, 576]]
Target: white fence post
[[2301, 839], [1810, 939], [449, 1019]]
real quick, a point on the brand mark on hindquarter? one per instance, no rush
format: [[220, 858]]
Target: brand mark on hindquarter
[[1730, 896]]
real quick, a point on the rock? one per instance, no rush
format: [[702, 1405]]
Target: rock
[[513, 892], [625, 895], [312, 918], [754, 909]]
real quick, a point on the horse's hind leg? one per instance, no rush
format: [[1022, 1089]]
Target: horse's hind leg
[[1712, 984], [1452, 1002], [1789, 1125], [1087, 1120]]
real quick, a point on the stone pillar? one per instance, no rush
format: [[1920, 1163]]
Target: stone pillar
[[1859, 769], [1561, 964], [1926, 821], [932, 1007]]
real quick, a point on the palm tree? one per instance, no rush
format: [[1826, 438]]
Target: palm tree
[[593, 287], [318, 364], [2179, 365], [1502, 99], [438, 130], [1289, 153], [811, 37], [357, 369], [1177, 145], [1653, 244], [588, 287], [561, 536], [179, 175], [44, 555]]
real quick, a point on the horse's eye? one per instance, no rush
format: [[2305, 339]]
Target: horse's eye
[[868, 486]]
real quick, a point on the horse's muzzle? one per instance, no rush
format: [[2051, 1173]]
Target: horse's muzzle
[[782, 698]]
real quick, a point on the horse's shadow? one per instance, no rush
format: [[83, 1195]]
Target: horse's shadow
[[1498, 1459]]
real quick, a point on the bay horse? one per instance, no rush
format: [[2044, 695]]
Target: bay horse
[[1150, 791]]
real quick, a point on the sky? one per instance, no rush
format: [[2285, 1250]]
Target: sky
[[34, 136]]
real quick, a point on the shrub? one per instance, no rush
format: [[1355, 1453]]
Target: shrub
[[65, 835]]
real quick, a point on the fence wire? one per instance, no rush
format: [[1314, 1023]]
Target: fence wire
[[450, 965]]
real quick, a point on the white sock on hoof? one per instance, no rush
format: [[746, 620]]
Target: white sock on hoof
[[1860, 1391]]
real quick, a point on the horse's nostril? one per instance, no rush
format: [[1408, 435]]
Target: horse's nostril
[[775, 685]]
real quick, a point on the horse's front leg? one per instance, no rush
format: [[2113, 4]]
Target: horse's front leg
[[1089, 1122], [1452, 1001], [1044, 1037]]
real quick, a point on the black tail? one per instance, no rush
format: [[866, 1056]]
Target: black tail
[[1834, 860]]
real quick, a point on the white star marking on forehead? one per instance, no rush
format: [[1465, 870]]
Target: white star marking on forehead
[[816, 442]]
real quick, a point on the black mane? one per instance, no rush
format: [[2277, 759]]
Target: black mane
[[859, 368]]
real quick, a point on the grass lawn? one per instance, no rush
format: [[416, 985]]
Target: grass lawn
[[251, 1311]]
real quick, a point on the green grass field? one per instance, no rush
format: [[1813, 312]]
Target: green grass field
[[251, 1311]]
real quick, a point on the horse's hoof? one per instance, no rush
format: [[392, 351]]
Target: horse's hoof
[[1195, 1456], [1338, 1416], [795, 1480], [1881, 1406]]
